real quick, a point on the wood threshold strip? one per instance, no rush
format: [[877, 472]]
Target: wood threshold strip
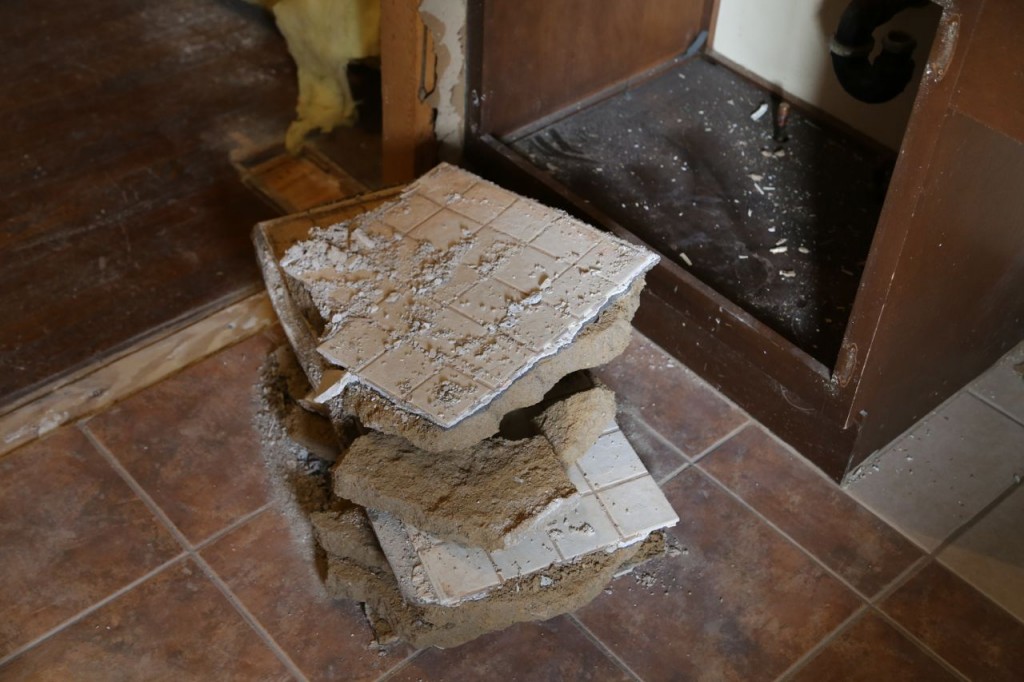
[[122, 376]]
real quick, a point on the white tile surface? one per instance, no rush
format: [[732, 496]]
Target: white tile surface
[[612, 460], [948, 468], [454, 244], [1003, 384], [990, 555], [431, 570]]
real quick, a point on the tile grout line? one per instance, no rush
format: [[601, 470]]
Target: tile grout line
[[995, 406], [234, 525], [771, 524], [721, 441], [823, 643], [191, 552], [657, 434], [400, 666], [602, 647], [895, 624], [81, 615]]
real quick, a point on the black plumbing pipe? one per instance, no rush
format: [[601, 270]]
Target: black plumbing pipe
[[853, 42]]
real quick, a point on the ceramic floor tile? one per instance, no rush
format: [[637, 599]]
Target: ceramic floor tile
[[532, 552], [275, 577], [402, 368], [578, 526], [191, 443], [457, 572], [812, 510], [71, 533], [1003, 384], [524, 220], [483, 202], [582, 528], [611, 460], [960, 625], [410, 211], [990, 555], [869, 650], [362, 342], [945, 470], [486, 273], [637, 507], [688, 413], [444, 229], [552, 651], [660, 457], [737, 602], [174, 626]]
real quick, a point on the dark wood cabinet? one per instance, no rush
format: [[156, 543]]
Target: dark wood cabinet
[[940, 294]]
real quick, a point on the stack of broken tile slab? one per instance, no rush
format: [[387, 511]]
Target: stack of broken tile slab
[[448, 332]]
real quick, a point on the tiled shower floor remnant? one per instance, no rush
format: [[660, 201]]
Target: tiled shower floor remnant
[[618, 504], [441, 299]]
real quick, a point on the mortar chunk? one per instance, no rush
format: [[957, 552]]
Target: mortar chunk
[[574, 424], [476, 496]]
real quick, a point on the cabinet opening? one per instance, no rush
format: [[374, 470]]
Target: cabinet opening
[[747, 163]]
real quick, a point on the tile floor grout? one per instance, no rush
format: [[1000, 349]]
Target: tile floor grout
[[994, 405], [721, 441], [736, 496], [400, 666], [92, 608], [636, 416], [191, 552], [920, 644], [604, 648], [823, 643]]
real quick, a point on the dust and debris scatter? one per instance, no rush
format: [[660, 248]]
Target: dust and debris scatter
[[680, 161], [443, 298]]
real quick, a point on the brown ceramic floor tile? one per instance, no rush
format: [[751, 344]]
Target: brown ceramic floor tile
[[552, 651], [816, 513], [872, 650], [738, 603], [660, 458], [175, 626], [275, 578], [190, 442], [960, 624], [71, 533], [669, 397]]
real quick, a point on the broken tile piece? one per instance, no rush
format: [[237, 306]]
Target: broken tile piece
[[637, 507], [610, 461], [404, 368], [582, 529], [580, 526], [478, 262], [483, 202], [458, 572], [359, 342]]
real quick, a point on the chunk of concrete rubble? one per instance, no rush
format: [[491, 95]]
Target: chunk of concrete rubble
[[478, 496], [442, 298], [563, 589], [348, 533], [618, 504], [598, 343], [475, 496], [574, 424]]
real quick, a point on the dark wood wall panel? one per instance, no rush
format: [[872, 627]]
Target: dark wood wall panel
[[956, 303], [540, 56], [991, 85]]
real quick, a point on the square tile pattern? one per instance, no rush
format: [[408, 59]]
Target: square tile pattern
[[442, 298], [618, 504]]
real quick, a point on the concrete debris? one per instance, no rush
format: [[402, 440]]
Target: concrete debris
[[455, 466]]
